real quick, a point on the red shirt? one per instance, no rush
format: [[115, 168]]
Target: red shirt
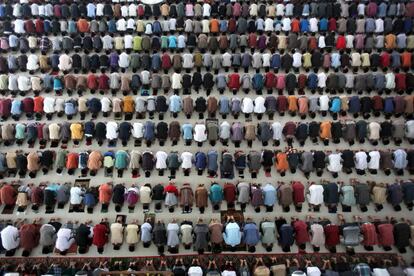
[[385, 59], [301, 232], [29, 26], [252, 40], [332, 25], [140, 10], [295, 25], [340, 42], [38, 104], [229, 192], [5, 107], [232, 25], [39, 129], [166, 61], [8, 195], [377, 103], [370, 234], [270, 80], [103, 82], [400, 83], [171, 189], [302, 80], [28, 105], [100, 235], [298, 192], [92, 82], [386, 234], [29, 236], [234, 81], [331, 234], [39, 25], [72, 160], [281, 103]]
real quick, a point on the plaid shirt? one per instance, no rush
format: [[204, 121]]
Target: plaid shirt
[[362, 269], [44, 43]]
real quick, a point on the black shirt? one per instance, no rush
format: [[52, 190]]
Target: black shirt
[[118, 193]]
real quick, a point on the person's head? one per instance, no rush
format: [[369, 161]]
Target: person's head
[[100, 250], [118, 208]]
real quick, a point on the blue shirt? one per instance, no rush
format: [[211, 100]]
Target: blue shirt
[[232, 234], [212, 160], [251, 235], [312, 81], [172, 41], [216, 193], [223, 26], [91, 10], [70, 108], [175, 103], [200, 160], [335, 105], [89, 199], [286, 235], [323, 25], [16, 107], [389, 105], [275, 61], [335, 60], [187, 130], [269, 192], [304, 25]]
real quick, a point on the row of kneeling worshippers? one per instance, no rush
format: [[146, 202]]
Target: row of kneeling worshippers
[[336, 162], [259, 197], [203, 236]]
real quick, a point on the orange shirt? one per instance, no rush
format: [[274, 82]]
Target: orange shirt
[[105, 193], [295, 25], [282, 164], [72, 160], [390, 40], [214, 26], [406, 59], [38, 104], [325, 130], [303, 105], [83, 25], [292, 103], [128, 104]]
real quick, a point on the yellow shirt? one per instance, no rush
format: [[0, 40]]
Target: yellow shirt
[[76, 131]]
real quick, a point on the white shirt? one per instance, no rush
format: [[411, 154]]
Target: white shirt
[[247, 105], [195, 271], [130, 25], [161, 157], [390, 80], [409, 271], [322, 80], [49, 105], [313, 25], [409, 129], [123, 61], [19, 26], [24, 83], [324, 103], [186, 160], [259, 105], [64, 239], [277, 131], [206, 10], [65, 62], [111, 131], [106, 104], [379, 25], [32, 62], [10, 237], [176, 81], [297, 59], [349, 41], [269, 25], [286, 24], [132, 10], [361, 160], [225, 130], [200, 133], [374, 162], [128, 41], [124, 11], [138, 130], [76, 195], [374, 131], [380, 272], [315, 195], [121, 25], [280, 10], [266, 59], [99, 9], [334, 162], [313, 271], [321, 42]]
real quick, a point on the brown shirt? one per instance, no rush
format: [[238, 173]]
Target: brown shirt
[[250, 131], [201, 197], [33, 163], [188, 105], [95, 161], [285, 194], [174, 130], [29, 236], [186, 195], [212, 104], [216, 232]]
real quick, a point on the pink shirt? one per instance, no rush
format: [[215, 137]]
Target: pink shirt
[[189, 10], [280, 83]]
